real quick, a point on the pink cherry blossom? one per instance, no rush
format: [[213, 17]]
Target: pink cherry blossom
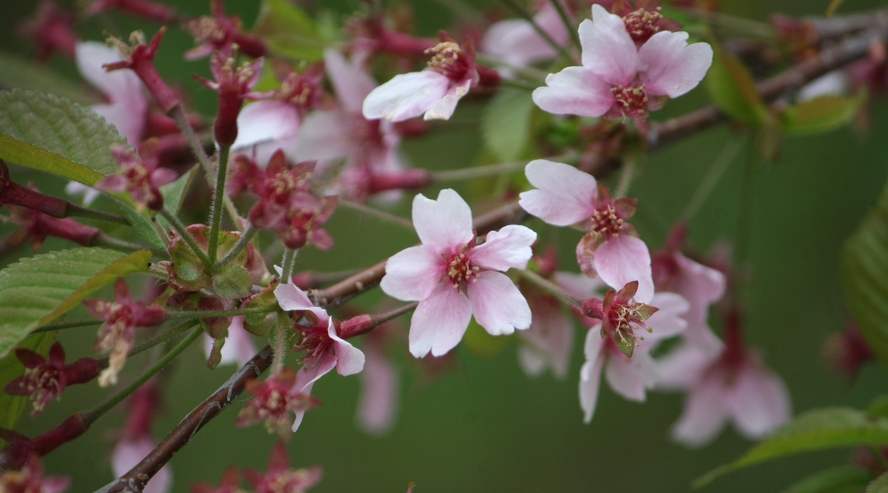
[[453, 277], [611, 248], [324, 348], [727, 387], [274, 399], [30, 479], [516, 42], [617, 78], [433, 92], [378, 401], [629, 377]]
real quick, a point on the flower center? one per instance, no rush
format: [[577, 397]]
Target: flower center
[[315, 338], [632, 99], [461, 270], [640, 24], [448, 60], [606, 222]]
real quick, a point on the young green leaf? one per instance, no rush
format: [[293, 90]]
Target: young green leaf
[[819, 115], [40, 289], [733, 89], [506, 123], [289, 31], [844, 479], [816, 430]]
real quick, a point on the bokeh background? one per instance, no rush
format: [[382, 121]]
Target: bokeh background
[[483, 425]]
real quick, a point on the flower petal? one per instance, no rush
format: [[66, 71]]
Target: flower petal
[[630, 377], [574, 91], [683, 367], [759, 401], [671, 67], [406, 96], [444, 107], [608, 50], [507, 248], [291, 298], [377, 403], [352, 84], [703, 416], [444, 224], [265, 121], [622, 260], [412, 274], [439, 322], [497, 304], [323, 136], [129, 120], [590, 374], [579, 285], [564, 195], [349, 359], [668, 320]]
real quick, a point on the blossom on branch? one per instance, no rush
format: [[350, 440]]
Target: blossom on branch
[[46, 378], [454, 276], [30, 479], [280, 478], [611, 248], [619, 79], [274, 399], [140, 175]]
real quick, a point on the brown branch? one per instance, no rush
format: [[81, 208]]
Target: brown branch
[[660, 134]]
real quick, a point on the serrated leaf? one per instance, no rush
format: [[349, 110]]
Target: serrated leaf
[[40, 289], [733, 89], [16, 72], [819, 115], [865, 276], [844, 479], [816, 430], [506, 123], [879, 485], [13, 406], [289, 31], [56, 126]]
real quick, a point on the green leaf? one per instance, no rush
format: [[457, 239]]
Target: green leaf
[[865, 276], [506, 123], [173, 196], [16, 72], [878, 408], [816, 430], [52, 134], [819, 115], [40, 289], [879, 485], [733, 89], [13, 406], [844, 479], [289, 31], [833, 6]]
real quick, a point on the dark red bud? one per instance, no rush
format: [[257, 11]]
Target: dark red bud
[[356, 326], [488, 77], [411, 179], [593, 308]]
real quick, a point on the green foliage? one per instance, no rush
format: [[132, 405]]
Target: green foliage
[[289, 31], [16, 72], [52, 134], [820, 115], [865, 276], [188, 273], [13, 406], [40, 289], [506, 123], [844, 479], [879, 485], [733, 89], [816, 430]]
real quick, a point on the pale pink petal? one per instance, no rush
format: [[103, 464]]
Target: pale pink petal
[[622, 260], [406, 96], [550, 339], [574, 91], [835, 83], [265, 121], [579, 285], [349, 359], [291, 298], [701, 286], [758, 401], [668, 321], [564, 195], [89, 194], [119, 85], [516, 41], [128, 120], [608, 50], [439, 322], [444, 107], [497, 304], [351, 83], [128, 453], [533, 361], [669, 66], [444, 224], [590, 374], [323, 136], [378, 401], [630, 377], [683, 367], [238, 348], [412, 274], [703, 416], [504, 249], [300, 414]]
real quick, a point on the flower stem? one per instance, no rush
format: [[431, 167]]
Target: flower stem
[[626, 175], [574, 32], [712, 177], [162, 337], [215, 313], [289, 264], [551, 288], [741, 240], [216, 206], [91, 416], [237, 248], [102, 239], [529, 72], [74, 210], [186, 237], [385, 216], [67, 325]]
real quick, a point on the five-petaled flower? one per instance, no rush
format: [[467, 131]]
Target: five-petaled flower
[[453, 276], [47, 378], [140, 176], [619, 79], [121, 317], [611, 248], [318, 338], [234, 85], [30, 479], [280, 478], [274, 399]]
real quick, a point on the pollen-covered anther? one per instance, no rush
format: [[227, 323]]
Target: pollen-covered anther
[[606, 222], [641, 23], [633, 99], [448, 60], [462, 271]]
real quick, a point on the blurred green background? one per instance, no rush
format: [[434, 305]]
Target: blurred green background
[[483, 425]]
